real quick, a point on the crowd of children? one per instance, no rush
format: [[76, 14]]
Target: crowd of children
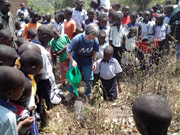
[[102, 42]]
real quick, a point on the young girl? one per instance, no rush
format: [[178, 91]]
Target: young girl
[[116, 36]]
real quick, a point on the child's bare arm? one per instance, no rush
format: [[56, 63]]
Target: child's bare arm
[[61, 51], [110, 42], [25, 123], [117, 77]]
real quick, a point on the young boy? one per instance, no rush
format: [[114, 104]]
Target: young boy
[[140, 17], [60, 22], [116, 36], [108, 69], [91, 15], [6, 38], [167, 11], [33, 24], [8, 56], [11, 88], [126, 17], [59, 44], [152, 115], [69, 25], [31, 34], [79, 14], [20, 41], [78, 31], [102, 44], [116, 6], [103, 19], [112, 15]]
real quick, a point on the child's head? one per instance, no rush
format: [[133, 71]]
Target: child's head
[[133, 17], [21, 15], [132, 31], [103, 18], [6, 37], [140, 14], [94, 4], [60, 17], [152, 115], [8, 56], [31, 62], [155, 8], [34, 16], [108, 53], [26, 93], [101, 37], [158, 4], [168, 2], [48, 17], [11, 83], [159, 19], [116, 6], [112, 15], [146, 15], [79, 30], [168, 9], [68, 13], [80, 4], [125, 10], [17, 25], [32, 33], [118, 18], [90, 14], [161, 8], [27, 20], [45, 33], [56, 32], [20, 41]]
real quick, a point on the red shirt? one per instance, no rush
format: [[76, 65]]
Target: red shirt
[[126, 20]]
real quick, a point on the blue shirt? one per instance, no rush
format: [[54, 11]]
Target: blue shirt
[[82, 50]]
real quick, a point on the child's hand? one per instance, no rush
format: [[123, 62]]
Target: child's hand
[[28, 122], [119, 87]]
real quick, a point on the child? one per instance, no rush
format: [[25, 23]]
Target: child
[[102, 44], [168, 2], [90, 14], [11, 88], [140, 17], [33, 24], [161, 31], [60, 21], [59, 44], [161, 9], [112, 15], [48, 18], [31, 34], [116, 6], [20, 41], [94, 5], [79, 14], [116, 36], [8, 56], [103, 19], [167, 11], [133, 17], [126, 17], [69, 25], [129, 48], [108, 69], [104, 6], [146, 26], [6, 38], [152, 115]]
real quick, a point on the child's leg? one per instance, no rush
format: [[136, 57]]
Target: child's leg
[[117, 53], [88, 77], [64, 67], [110, 88]]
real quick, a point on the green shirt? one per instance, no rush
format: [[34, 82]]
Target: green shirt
[[59, 44]]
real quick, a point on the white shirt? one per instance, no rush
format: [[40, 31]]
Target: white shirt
[[25, 12], [108, 70], [79, 16], [105, 3], [162, 31], [107, 30], [166, 20], [117, 36], [130, 43], [146, 28], [100, 54]]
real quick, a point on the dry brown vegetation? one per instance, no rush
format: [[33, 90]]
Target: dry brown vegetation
[[115, 118]]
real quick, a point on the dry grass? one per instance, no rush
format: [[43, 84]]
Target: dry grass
[[115, 118]]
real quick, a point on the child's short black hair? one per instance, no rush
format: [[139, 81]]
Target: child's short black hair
[[7, 54], [133, 13], [10, 80], [56, 12], [119, 15], [94, 4], [103, 16], [32, 33], [153, 113], [20, 41], [155, 8], [116, 4], [61, 14], [109, 49], [169, 7], [112, 13], [27, 20], [69, 11], [125, 6], [90, 10], [4, 33], [79, 30], [102, 33], [160, 16], [30, 58]]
